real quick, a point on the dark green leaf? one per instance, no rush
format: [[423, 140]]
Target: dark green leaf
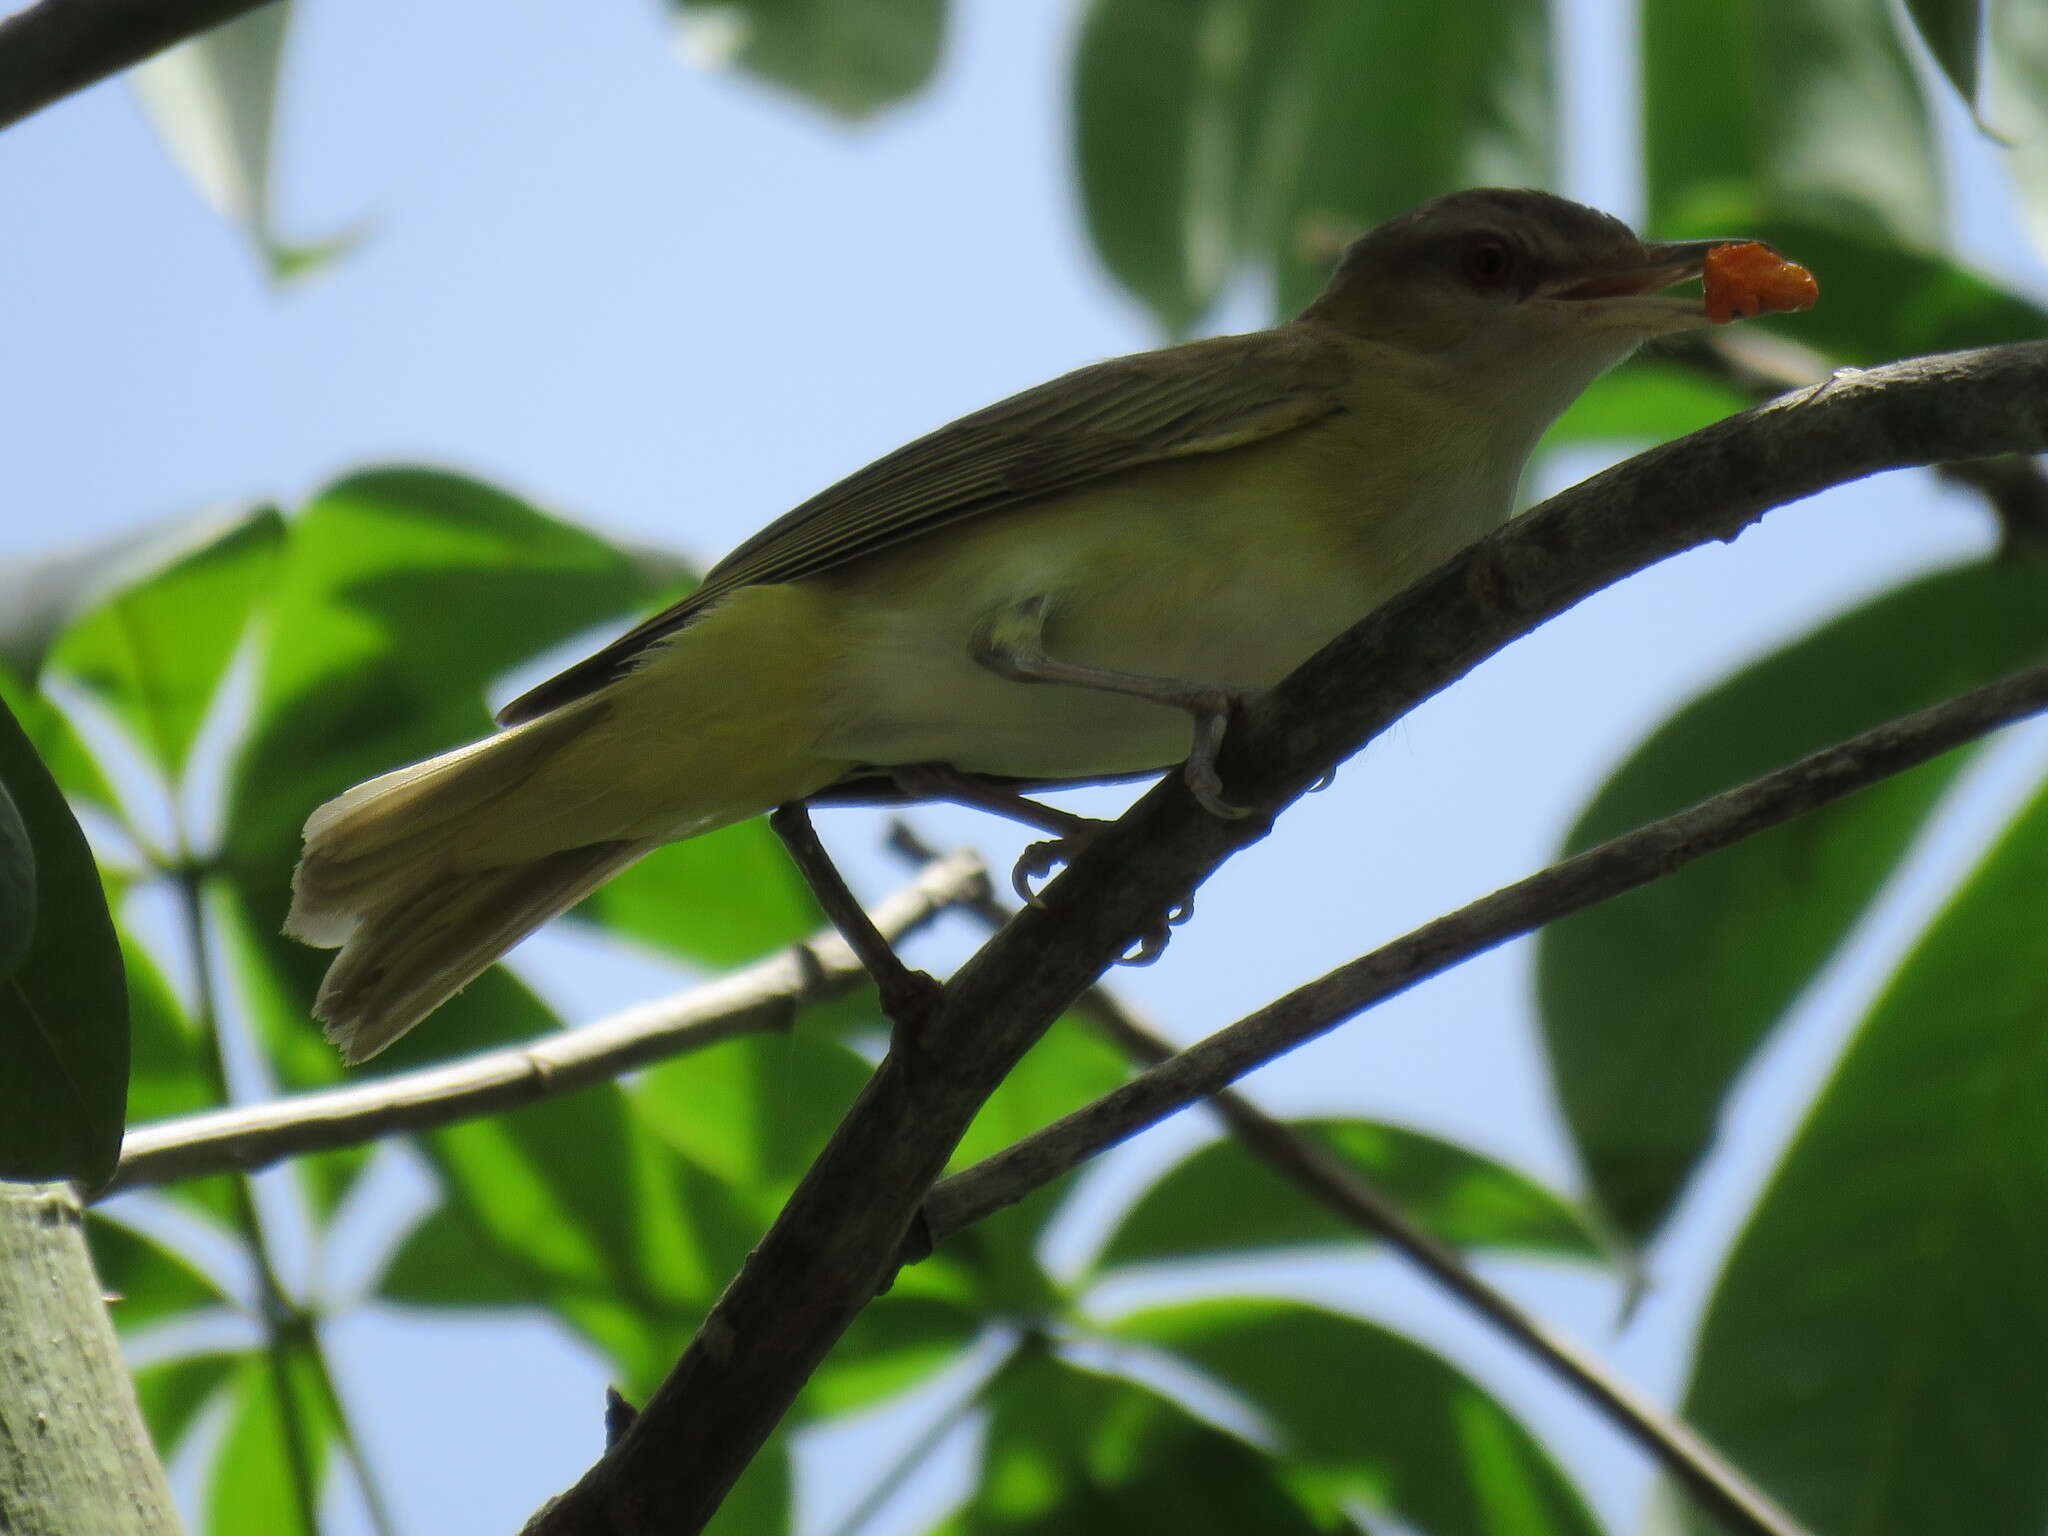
[[155, 650], [273, 1455], [59, 746], [722, 899], [1363, 1415], [1223, 1200], [1065, 1070], [1081, 1454], [1653, 1003], [1952, 30], [1755, 107], [145, 1281], [1213, 134], [64, 1006], [1877, 1348], [851, 57], [17, 887]]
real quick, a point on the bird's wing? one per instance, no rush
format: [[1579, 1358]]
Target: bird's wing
[[1202, 397]]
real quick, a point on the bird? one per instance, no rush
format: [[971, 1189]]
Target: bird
[[1077, 583]]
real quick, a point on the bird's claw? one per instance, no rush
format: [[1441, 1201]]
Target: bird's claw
[[1203, 782], [1040, 859]]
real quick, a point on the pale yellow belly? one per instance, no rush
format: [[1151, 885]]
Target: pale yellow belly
[[1164, 592]]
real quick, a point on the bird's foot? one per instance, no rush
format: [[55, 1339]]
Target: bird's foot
[[1151, 944], [1039, 860], [1212, 718]]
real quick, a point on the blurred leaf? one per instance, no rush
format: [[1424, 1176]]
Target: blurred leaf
[[17, 886], [1878, 1340], [1951, 29], [1362, 1415], [63, 1006], [254, 1485], [1653, 1003], [1755, 107], [851, 57], [1081, 1454], [145, 1281], [1648, 400], [57, 744], [1215, 134], [754, 1111], [214, 103], [899, 1340], [2016, 104], [600, 1221], [1222, 1200], [174, 1392], [1067, 1068], [404, 593], [722, 899], [1879, 301], [155, 652]]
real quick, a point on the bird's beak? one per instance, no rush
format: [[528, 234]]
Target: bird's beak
[[1629, 294]]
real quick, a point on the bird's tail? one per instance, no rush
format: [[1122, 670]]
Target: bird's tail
[[390, 875]]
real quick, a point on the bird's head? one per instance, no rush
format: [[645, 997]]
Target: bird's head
[[1505, 283]]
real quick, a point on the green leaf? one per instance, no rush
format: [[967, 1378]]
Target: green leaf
[[1951, 29], [2016, 103], [1081, 1454], [145, 1281], [17, 887], [1647, 400], [213, 101], [1755, 107], [1216, 134], [64, 1005], [264, 1480], [1222, 1200], [851, 57], [174, 1392], [1652, 1003], [722, 899], [599, 1220], [1879, 1334], [155, 651], [405, 593], [1362, 1415], [58, 744], [753, 1111]]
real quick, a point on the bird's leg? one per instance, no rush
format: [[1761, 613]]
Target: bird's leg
[[1072, 833], [1012, 645], [908, 996]]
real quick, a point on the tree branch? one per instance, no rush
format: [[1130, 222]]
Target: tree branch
[[1715, 1484], [74, 1452], [762, 997], [836, 1240], [1618, 865], [59, 46]]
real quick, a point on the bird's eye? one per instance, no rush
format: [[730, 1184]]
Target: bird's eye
[[1487, 262]]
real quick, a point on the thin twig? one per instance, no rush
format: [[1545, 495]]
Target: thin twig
[[1621, 864], [838, 1237], [907, 996], [1717, 1484], [760, 998], [60, 46]]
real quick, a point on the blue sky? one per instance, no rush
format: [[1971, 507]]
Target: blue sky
[[671, 303]]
